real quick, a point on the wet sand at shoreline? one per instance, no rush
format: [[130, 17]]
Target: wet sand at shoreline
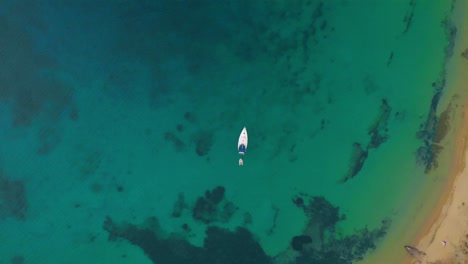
[[448, 223]]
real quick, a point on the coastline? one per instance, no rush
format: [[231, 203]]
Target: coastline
[[440, 210], [448, 220]]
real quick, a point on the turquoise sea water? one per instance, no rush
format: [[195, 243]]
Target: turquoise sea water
[[119, 127]]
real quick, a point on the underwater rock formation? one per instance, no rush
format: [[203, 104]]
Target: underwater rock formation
[[159, 250], [179, 206], [213, 208], [317, 244], [450, 34], [408, 19], [298, 242], [220, 245], [390, 59], [323, 213], [23, 82], [433, 131], [190, 117], [465, 54], [30, 83], [203, 142], [358, 157], [224, 246], [429, 133], [13, 202], [378, 135], [378, 130], [323, 218], [171, 137]]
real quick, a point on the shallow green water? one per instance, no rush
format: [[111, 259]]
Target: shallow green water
[[119, 110]]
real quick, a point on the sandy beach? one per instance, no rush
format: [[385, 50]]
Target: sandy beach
[[444, 237], [449, 222]]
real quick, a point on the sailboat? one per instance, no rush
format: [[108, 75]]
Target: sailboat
[[243, 141], [242, 144]]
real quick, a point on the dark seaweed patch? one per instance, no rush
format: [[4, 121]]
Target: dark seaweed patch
[[378, 135], [13, 202], [324, 245], [465, 54], [220, 245], [358, 157], [22, 80], [216, 195], [188, 116], [180, 128], [408, 19], [179, 206], [390, 59], [429, 133], [450, 34], [378, 130], [298, 242], [319, 243], [212, 207], [203, 143], [171, 137], [432, 132]]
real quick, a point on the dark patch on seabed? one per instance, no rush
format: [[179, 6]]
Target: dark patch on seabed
[[432, 131], [465, 54], [28, 82], [408, 19], [378, 132], [318, 243], [13, 200]]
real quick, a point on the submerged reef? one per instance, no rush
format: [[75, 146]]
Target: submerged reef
[[13, 202], [450, 34], [434, 129], [425, 154], [465, 54], [220, 245], [212, 207], [378, 130], [172, 138], [378, 135], [432, 133], [203, 142], [179, 206], [358, 157], [30, 83], [34, 93], [320, 243], [298, 242], [390, 59], [408, 19]]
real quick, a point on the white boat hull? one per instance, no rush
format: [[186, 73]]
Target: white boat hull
[[243, 141]]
